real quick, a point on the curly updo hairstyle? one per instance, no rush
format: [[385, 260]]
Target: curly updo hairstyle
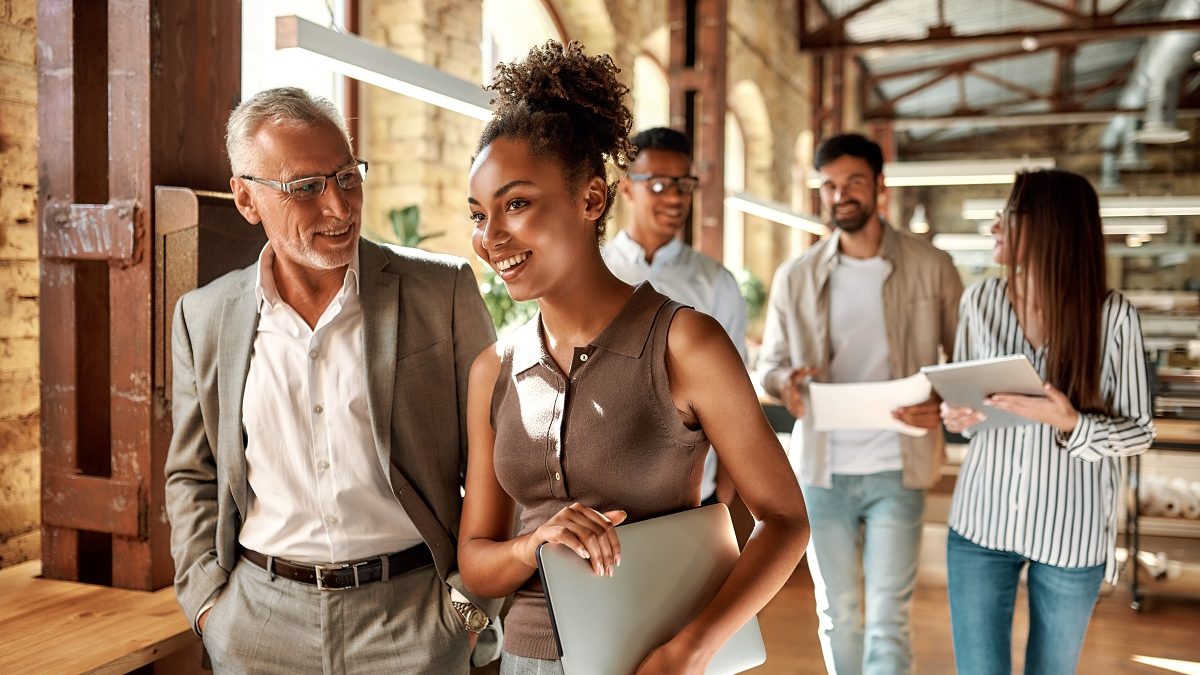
[[567, 106]]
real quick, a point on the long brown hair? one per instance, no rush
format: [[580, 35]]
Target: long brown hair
[[1056, 246]]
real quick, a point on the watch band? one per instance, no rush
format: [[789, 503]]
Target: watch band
[[473, 619]]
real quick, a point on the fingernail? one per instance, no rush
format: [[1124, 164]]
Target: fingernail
[[618, 560], [584, 555]]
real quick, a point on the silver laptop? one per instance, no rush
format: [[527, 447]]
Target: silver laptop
[[670, 568], [968, 383]]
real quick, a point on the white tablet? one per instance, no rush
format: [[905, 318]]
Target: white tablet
[[968, 383], [670, 568]]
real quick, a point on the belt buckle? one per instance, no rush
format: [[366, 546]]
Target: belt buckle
[[320, 571]]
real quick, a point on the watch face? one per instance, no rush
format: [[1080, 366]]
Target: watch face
[[477, 619]]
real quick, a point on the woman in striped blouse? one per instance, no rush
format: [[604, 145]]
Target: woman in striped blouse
[[1044, 495]]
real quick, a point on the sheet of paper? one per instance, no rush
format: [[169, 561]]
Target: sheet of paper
[[866, 405]]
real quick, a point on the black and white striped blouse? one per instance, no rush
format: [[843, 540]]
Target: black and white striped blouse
[[1028, 489]]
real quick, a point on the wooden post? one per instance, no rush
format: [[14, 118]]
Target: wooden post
[[697, 75], [132, 94]]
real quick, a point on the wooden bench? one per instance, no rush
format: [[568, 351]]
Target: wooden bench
[[49, 626]]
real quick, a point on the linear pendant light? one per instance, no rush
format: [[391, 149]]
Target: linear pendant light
[[774, 212], [1110, 207], [357, 58], [955, 172]]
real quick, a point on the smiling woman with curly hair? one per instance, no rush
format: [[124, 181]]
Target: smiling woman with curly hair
[[602, 408]]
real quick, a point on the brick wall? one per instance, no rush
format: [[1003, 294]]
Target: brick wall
[[19, 535]]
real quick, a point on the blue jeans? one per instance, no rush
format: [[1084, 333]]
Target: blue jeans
[[983, 589], [871, 524]]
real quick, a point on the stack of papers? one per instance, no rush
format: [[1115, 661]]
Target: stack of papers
[[866, 405]]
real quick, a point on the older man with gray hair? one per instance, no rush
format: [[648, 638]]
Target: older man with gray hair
[[314, 476]]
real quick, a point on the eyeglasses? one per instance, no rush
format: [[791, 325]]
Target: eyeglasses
[[659, 184], [304, 189]]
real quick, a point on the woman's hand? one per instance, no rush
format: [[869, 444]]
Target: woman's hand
[[588, 532], [674, 657], [1054, 408], [958, 418]]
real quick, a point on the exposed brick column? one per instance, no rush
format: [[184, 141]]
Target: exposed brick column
[[20, 538]]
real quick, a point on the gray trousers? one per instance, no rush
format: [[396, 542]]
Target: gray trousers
[[511, 664], [264, 625]]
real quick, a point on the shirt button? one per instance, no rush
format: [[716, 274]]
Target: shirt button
[[318, 409], [323, 465], [583, 357], [312, 354], [557, 476], [332, 520]]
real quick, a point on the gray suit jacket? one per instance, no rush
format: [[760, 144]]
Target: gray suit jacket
[[423, 324]]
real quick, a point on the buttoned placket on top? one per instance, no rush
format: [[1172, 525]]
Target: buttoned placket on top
[[318, 397], [555, 470]]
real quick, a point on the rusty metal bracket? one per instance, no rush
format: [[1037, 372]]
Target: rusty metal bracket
[[92, 503], [89, 231]]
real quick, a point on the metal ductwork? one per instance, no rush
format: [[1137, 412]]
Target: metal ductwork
[[1153, 84], [1162, 104]]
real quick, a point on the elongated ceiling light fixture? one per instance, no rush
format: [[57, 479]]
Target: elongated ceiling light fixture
[[774, 212], [955, 172], [357, 58], [1110, 207]]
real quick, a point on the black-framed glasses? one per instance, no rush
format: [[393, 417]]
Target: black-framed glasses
[[659, 184], [314, 186]]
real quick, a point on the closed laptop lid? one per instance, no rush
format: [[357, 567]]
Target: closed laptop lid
[[671, 567]]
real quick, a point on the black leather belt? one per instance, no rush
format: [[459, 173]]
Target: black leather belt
[[341, 576]]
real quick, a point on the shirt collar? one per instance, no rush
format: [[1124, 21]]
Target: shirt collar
[[626, 335], [888, 245], [266, 293], [665, 255]]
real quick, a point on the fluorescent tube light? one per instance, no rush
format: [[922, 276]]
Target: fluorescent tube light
[[354, 57], [963, 242], [774, 212], [1110, 207], [955, 172]]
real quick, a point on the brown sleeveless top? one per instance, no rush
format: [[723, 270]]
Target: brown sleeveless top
[[607, 435]]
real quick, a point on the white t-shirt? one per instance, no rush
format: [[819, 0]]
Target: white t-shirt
[[859, 353]]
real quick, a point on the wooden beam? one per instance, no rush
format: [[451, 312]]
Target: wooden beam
[[890, 103], [1012, 120], [965, 62], [1065, 11], [1009, 85], [1091, 30], [835, 29]]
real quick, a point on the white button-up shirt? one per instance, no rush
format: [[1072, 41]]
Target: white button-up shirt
[[318, 491], [685, 275]]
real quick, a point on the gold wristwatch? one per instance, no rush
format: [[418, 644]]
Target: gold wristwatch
[[473, 618]]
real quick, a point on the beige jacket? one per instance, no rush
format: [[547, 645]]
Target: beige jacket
[[920, 305]]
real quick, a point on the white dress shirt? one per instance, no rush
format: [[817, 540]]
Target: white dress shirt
[[318, 491], [687, 276]]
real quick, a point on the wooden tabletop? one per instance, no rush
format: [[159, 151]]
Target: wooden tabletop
[[49, 626], [1177, 431]]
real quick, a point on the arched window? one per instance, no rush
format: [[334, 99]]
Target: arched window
[[735, 182], [511, 27], [264, 67], [651, 94]]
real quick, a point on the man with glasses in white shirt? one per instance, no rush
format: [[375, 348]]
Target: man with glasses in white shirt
[[315, 470], [658, 191]]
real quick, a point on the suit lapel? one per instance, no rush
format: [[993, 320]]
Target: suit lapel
[[380, 299], [239, 321]]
